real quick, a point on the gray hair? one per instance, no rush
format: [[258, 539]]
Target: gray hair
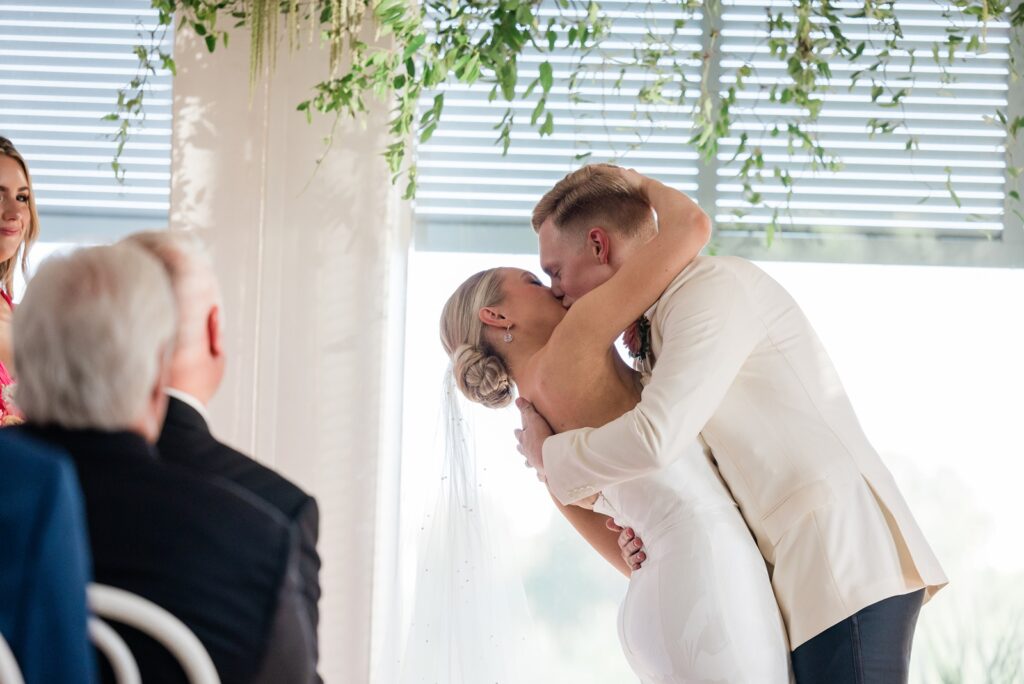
[[188, 264], [90, 336]]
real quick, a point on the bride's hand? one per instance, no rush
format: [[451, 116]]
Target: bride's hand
[[630, 546], [633, 178]]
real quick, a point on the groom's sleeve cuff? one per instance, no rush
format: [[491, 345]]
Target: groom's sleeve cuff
[[566, 482]]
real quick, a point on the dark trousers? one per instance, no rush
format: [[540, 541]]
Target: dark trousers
[[869, 647]]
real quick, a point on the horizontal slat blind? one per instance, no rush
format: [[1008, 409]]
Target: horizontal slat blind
[[468, 191], [470, 196], [61, 65], [882, 187]]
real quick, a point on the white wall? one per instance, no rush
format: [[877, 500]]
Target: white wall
[[312, 266]]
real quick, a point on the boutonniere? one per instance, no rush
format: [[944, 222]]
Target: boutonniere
[[637, 338]]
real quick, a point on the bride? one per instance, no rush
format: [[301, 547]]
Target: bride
[[701, 608]]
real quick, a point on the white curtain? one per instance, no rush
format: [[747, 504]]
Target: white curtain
[[312, 263]]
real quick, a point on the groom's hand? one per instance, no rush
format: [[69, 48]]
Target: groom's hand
[[531, 437]]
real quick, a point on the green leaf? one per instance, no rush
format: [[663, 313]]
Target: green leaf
[[414, 45], [168, 63], [530, 88], [537, 111], [507, 80], [549, 125], [546, 76], [211, 43]]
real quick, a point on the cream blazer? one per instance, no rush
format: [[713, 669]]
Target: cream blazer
[[736, 360]]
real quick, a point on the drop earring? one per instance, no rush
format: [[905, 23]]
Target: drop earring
[[508, 334]]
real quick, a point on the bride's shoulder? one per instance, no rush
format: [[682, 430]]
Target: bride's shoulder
[[542, 374]]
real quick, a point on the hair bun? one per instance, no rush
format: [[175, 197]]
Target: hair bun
[[482, 376]]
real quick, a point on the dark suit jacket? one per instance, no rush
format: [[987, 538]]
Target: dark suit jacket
[[186, 441], [211, 553], [44, 563]]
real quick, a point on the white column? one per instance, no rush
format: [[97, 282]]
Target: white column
[[312, 263]]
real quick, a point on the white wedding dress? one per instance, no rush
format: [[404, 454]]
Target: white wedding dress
[[701, 607]]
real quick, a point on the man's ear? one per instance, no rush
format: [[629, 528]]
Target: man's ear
[[214, 335], [157, 410], [156, 390], [492, 317], [599, 245]]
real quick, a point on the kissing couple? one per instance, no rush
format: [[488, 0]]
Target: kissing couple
[[776, 544]]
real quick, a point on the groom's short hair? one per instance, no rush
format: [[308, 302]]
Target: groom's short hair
[[595, 194]]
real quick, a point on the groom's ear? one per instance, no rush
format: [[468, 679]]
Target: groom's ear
[[492, 317], [599, 245]]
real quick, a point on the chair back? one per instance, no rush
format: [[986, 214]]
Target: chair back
[[121, 606], [112, 646], [10, 673]]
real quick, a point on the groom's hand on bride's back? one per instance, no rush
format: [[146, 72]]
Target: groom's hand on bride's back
[[630, 546], [531, 437]]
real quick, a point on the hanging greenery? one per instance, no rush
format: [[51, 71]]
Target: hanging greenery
[[415, 47]]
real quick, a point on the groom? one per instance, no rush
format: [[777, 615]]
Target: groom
[[731, 356]]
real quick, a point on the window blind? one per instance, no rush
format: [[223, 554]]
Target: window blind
[[471, 198], [932, 191], [894, 183], [61, 65]]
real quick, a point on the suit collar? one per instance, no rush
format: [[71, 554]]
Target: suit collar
[[184, 414], [646, 366], [190, 401], [94, 443]]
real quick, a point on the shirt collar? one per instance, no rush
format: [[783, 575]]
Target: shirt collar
[[187, 398]]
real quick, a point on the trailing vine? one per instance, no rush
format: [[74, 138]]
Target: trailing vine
[[417, 48]]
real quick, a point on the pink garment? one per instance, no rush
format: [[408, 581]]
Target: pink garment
[[8, 413]]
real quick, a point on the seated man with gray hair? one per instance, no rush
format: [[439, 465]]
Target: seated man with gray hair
[[196, 370], [93, 340]]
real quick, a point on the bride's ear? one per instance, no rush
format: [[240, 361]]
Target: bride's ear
[[599, 245], [492, 317]]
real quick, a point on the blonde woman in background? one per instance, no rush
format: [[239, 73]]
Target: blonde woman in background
[[19, 228]]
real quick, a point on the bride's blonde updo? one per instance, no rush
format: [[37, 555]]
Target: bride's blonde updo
[[480, 372]]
